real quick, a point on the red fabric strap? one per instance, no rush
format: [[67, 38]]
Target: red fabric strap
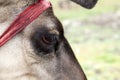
[[24, 19]]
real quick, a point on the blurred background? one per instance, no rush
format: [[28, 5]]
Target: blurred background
[[94, 36]]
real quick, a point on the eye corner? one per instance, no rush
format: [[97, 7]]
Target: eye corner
[[50, 39], [45, 42]]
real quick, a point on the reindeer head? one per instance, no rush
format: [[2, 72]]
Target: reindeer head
[[43, 51]]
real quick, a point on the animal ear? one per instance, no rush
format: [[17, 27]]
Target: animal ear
[[86, 3]]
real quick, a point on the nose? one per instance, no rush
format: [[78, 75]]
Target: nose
[[70, 68], [86, 3]]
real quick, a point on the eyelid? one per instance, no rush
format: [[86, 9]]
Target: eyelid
[[45, 40], [50, 38]]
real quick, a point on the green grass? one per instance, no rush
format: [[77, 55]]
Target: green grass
[[96, 47], [98, 52], [103, 6]]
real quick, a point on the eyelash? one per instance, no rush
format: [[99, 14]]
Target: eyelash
[[49, 39], [45, 42]]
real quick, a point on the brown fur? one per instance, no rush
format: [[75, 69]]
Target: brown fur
[[20, 59]]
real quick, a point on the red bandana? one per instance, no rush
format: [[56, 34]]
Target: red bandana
[[24, 19]]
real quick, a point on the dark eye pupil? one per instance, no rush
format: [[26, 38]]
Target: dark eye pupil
[[49, 39]]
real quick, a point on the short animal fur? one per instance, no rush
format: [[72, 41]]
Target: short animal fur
[[40, 51]]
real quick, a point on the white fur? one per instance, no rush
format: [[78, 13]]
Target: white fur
[[12, 60]]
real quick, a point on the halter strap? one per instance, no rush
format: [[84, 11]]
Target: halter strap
[[23, 19]]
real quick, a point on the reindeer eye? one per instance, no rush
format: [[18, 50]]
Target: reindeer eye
[[49, 39], [44, 42]]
